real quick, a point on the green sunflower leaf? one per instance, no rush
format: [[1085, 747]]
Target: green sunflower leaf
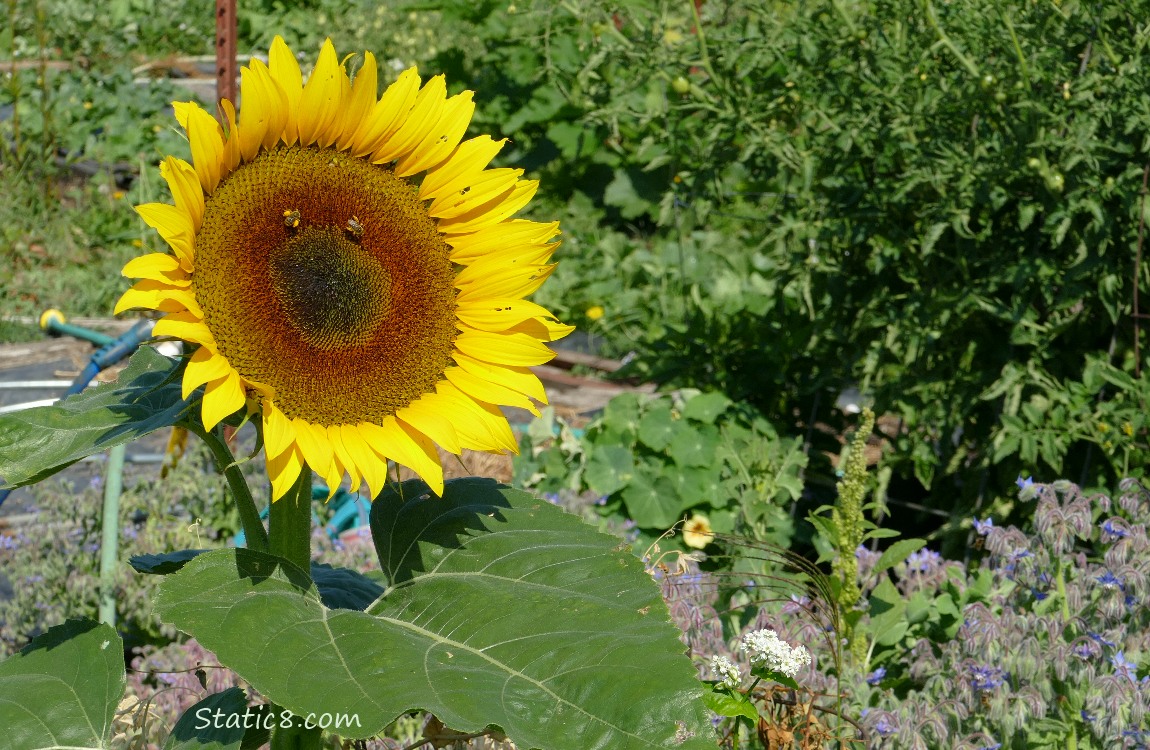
[[339, 588], [63, 688], [215, 723], [36, 443], [501, 610]]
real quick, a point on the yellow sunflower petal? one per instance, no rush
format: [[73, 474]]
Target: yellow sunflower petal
[[484, 390], [512, 281], [480, 426], [387, 115], [284, 471], [265, 111], [174, 225], [231, 155], [335, 437], [515, 349], [156, 295], [279, 432], [317, 451], [203, 366], [516, 234], [334, 476], [185, 187], [428, 105], [360, 102], [186, 326], [222, 398], [407, 447], [442, 139], [519, 379], [470, 158], [483, 189], [181, 110], [207, 146], [500, 313], [285, 72], [542, 329], [491, 213], [510, 256], [429, 416], [370, 464], [157, 267], [321, 103]]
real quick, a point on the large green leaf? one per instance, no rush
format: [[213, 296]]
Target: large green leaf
[[609, 469], [62, 689], [215, 723], [37, 443], [501, 609], [339, 588]]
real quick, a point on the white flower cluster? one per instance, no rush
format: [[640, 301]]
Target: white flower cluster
[[766, 646], [725, 671]]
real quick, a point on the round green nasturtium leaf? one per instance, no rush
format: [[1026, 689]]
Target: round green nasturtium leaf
[[62, 689], [500, 609], [610, 468]]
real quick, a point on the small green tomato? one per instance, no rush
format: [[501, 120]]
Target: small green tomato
[[681, 85]]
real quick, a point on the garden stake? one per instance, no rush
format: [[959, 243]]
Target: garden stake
[[110, 534], [225, 50]]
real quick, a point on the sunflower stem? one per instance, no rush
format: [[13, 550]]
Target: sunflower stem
[[289, 525], [257, 537], [298, 736]]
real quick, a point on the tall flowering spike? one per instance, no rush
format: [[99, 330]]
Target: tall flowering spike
[[364, 320]]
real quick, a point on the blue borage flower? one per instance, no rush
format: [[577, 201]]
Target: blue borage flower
[[1114, 530], [1123, 666], [984, 677], [1101, 639], [1110, 581]]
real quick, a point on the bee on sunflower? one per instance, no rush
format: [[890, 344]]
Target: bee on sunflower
[[348, 268]]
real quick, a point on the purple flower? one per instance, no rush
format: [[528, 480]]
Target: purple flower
[[1098, 637], [1123, 666], [982, 528], [995, 746], [1109, 527], [1083, 651], [1024, 483], [876, 676], [602, 500], [1020, 554], [1087, 716], [984, 677], [551, 497], [1110, 581], [7, 542], [923, 561], [885, 725]]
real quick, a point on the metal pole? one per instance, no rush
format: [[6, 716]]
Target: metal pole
[[226, 50], [109, 544]]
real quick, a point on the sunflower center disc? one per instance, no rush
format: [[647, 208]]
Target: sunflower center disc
[[332, 290], [322, 276]]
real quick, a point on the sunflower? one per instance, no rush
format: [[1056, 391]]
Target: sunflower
[[348, 268]]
